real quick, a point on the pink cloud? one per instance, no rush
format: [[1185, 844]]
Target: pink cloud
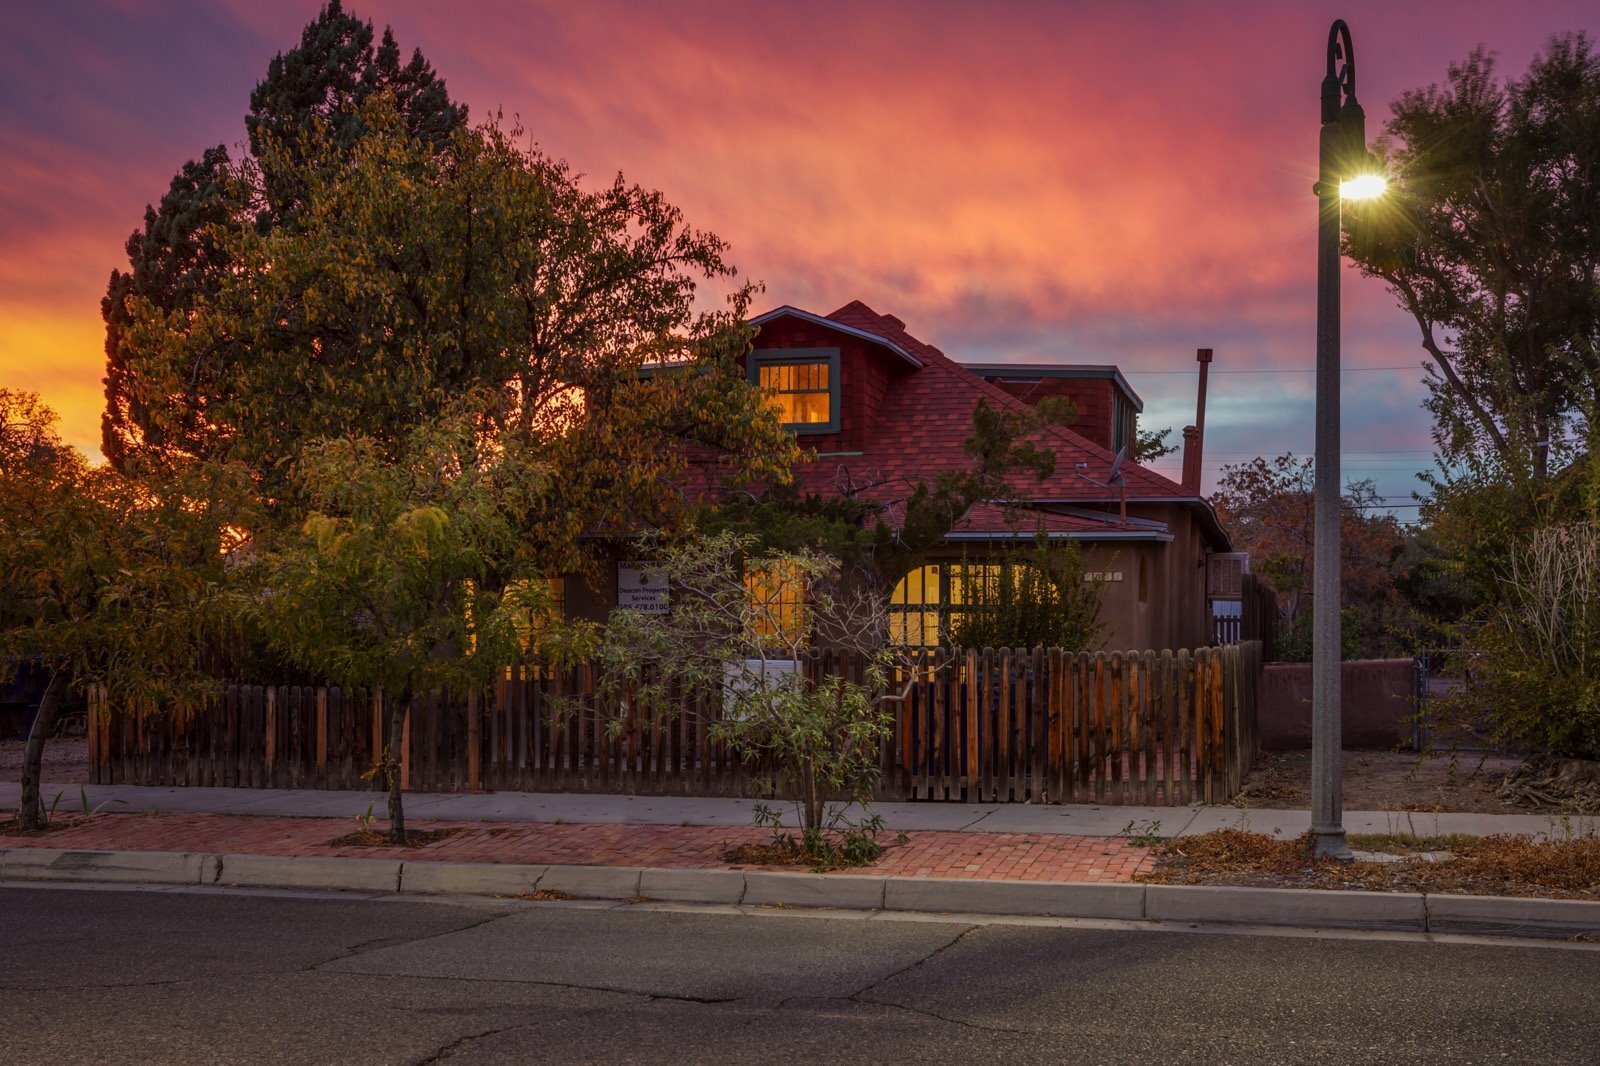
[[1104, 181]]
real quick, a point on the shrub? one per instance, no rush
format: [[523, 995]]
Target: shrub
[[1537, 672], [1034, 598]]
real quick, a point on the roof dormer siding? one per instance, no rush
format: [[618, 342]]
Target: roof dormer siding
[[810, 366]]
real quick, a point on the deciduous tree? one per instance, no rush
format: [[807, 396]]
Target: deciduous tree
[[409, 574], [741, 624], [416, 276], [1268, 508], [1490, 239], [105, 582]]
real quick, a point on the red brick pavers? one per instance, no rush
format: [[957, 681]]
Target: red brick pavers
[[991, 856]]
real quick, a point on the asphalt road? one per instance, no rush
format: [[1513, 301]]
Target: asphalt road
[[100, 976]]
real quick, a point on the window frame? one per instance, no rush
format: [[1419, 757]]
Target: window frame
[[802, 357], [777, 595]]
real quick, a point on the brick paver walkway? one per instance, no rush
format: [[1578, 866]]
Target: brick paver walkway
[[995, 856]]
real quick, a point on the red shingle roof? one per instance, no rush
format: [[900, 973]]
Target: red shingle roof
[[990, 521], [927, 415]]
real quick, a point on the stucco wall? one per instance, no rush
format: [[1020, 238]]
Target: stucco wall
[[1375, 693]]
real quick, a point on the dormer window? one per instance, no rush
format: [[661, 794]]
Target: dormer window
[[803, 384]]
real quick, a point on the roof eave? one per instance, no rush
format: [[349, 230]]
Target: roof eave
[[1059, 370], [1076, 534], [786, 311], [1208, 514]]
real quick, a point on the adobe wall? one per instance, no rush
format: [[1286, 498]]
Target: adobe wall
[[1376, 696]]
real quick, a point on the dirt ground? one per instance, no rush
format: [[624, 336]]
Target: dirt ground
[[1507, 865], [1385, 781], [65, 759]]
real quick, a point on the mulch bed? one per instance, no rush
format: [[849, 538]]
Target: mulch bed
[[771, 853], [379, 838], [10, 826], [1509, 865]]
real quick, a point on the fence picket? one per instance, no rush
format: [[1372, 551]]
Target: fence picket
[[986, 725]]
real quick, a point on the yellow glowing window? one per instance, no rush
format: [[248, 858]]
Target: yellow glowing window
[[930, 600], [914, 609], [800, 390], [802, 383], [775, 597]]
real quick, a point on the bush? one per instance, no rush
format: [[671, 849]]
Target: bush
[[1028, 599], [743, 624], [1537, 672]]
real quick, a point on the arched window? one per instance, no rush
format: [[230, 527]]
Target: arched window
[[929, 599], [915, 607]]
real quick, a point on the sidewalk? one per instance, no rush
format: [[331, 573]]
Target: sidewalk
[[604, 809], [1060, 861]]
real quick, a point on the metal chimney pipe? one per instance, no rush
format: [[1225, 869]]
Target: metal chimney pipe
[[1194, 436]]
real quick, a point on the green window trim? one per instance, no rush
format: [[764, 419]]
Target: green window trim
[[802, 357]]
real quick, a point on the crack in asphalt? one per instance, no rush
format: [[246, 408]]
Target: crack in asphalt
[[962, 1022], [929, 957], [379, 943], [861, 995], [470, 1038], [669, 997]]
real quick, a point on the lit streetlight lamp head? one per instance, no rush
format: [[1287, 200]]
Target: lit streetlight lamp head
[[1363, 187]]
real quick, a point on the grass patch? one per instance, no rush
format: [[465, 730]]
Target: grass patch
[[1488, 866], [1407, 844]]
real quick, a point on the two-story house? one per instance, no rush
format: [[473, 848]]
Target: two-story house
[[878, 410]]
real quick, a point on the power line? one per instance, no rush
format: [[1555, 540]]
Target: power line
[[1277, 370]]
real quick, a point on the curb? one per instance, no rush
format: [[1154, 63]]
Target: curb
[[1502, 916]]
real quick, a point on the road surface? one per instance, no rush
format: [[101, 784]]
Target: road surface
[[90, 975]]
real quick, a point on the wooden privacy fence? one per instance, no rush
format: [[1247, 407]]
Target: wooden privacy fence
[[977, 726]]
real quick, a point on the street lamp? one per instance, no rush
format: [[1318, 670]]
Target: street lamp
[[1345, 171]]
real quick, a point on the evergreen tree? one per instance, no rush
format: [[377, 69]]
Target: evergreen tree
[[172, 260]]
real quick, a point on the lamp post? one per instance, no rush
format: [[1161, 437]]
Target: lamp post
[[1344, 172]]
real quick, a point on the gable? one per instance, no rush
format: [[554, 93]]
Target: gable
[[906, 413]]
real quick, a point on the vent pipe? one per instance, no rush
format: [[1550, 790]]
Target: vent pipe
[[1194, 437]]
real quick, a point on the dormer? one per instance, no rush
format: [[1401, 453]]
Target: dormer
[[1108, 408], [828, 378]]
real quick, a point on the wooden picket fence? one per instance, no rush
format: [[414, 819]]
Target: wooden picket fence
[[976, 726]]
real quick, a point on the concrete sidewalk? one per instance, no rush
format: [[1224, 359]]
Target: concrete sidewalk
[[604, 809]]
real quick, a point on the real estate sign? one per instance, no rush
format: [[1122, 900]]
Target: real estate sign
[[641, 587]]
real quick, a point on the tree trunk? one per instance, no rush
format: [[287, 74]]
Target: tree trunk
[[30, 814], [397, 724], [813, 802]]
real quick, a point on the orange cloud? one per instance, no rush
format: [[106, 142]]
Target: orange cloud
[[1099, 181]]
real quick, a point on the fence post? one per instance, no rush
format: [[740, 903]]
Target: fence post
[[377, 726], [322, 732], [405, 750], [474, 767], [270, 738]]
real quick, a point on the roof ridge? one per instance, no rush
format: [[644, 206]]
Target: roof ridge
[[884, 326]]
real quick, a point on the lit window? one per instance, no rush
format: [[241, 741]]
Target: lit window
[[800, 390], [803, 384], [915, 607], [930, 600], [775, 596]]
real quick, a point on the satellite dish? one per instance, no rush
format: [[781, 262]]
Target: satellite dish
[[1115, 477]]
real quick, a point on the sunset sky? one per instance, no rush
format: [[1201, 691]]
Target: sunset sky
[[1076, 181]]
